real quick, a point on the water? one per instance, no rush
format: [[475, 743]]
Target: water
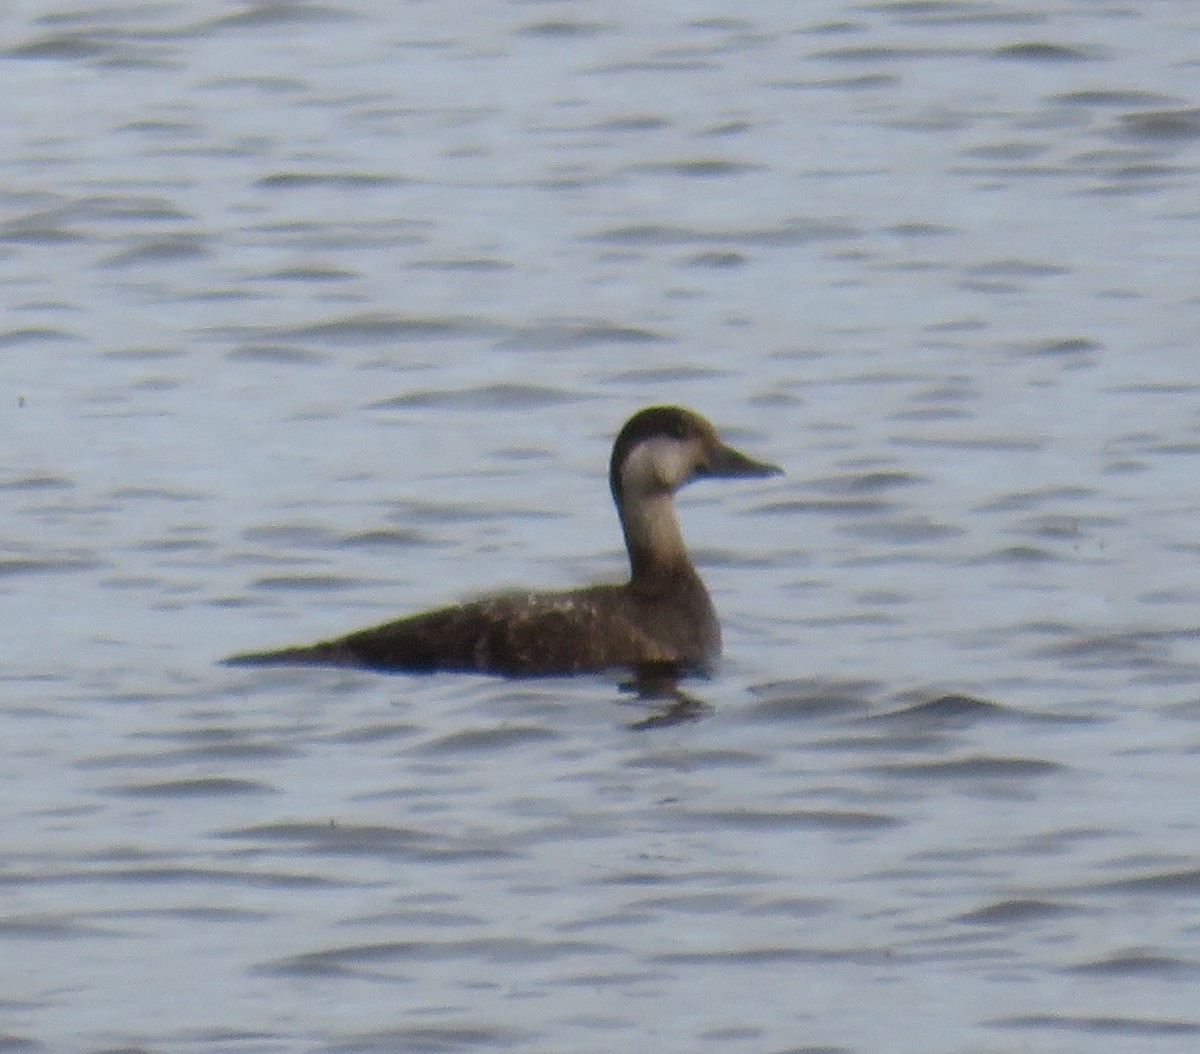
[[321, 313]]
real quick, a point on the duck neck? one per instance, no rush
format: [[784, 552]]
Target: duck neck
[[658, 558]]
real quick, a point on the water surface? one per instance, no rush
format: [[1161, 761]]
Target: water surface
[[320, 313]]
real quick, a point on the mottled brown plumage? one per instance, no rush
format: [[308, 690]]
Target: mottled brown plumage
[[661, 618]]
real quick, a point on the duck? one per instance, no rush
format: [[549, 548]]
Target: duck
[[661, 619]]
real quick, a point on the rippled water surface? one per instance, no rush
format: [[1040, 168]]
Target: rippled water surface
[[319, 313]]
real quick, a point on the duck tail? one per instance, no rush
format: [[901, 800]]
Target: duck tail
[[323, 654]]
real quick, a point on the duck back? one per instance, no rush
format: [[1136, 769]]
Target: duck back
[[524, 634]]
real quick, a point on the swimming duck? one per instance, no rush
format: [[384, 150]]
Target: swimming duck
[[662, 618]]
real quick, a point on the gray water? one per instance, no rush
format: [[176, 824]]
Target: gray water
[[320, 313]]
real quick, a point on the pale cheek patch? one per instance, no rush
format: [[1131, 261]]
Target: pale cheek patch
[[657, 464]]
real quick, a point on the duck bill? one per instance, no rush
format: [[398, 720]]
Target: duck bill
[[730, 462]]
